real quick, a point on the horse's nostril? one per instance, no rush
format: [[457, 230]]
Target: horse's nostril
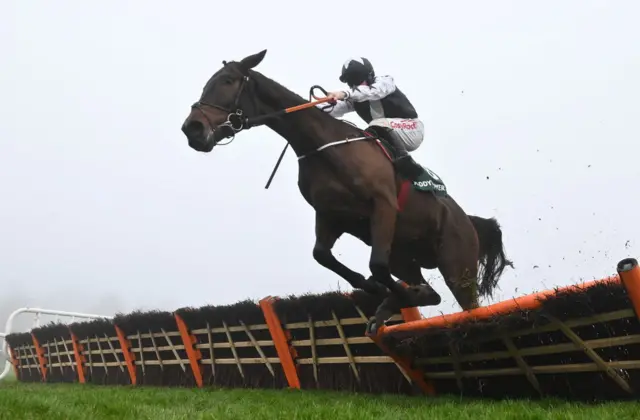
[[193, 129]]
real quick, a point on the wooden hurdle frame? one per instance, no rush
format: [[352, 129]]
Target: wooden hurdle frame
[[295, 345], [83, 355], [628, 275]]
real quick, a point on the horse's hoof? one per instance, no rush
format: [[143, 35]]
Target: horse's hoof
[[373, 287], [372, 327], [385, 311], [423, 296]]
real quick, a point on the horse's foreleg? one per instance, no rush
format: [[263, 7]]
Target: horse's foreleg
[[326, 236], [408, 270], [383, 224]]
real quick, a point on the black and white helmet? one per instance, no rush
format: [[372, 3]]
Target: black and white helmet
[[357, 70]]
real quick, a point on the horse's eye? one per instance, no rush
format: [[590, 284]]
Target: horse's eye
[[228, 81]]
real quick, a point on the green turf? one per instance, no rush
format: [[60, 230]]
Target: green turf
[[10, 377], [73, 401]]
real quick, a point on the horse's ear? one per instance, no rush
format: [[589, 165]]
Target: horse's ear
[[252, 61]]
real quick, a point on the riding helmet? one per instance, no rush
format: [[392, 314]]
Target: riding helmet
[[357, 70]]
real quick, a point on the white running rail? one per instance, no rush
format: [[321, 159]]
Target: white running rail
[[60, 316]]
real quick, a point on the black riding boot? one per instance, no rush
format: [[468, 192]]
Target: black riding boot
[[403, 162]]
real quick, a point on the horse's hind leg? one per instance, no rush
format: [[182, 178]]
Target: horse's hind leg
[[327, 233], [458, 264]]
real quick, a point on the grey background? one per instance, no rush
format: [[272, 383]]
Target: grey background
[[531, 114]]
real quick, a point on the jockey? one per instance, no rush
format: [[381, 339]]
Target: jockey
[[378, 101]]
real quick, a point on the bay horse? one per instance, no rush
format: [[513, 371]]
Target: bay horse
[[349, 180]]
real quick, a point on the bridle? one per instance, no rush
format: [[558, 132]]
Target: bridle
[[236, 121]]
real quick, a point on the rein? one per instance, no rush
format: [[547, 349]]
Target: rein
[[319, 149], [237, 121]]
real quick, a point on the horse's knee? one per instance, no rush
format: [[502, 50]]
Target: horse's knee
[[322, 255], [380, 269], [434, 298], [379, 261], [425, 295]]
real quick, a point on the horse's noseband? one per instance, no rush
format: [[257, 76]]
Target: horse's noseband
[[236, 121]]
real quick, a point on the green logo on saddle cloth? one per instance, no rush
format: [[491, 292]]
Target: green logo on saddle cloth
[[429, 181]]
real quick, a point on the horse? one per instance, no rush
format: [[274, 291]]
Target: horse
[[346, 175]]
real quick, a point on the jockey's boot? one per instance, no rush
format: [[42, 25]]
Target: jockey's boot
[[407, 167], [403, 162]]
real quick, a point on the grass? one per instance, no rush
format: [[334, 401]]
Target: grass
[[11, 377], [73, 401]]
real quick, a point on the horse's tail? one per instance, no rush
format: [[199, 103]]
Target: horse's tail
[[492, 257]]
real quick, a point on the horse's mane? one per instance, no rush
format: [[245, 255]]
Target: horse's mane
[[278, 90]]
